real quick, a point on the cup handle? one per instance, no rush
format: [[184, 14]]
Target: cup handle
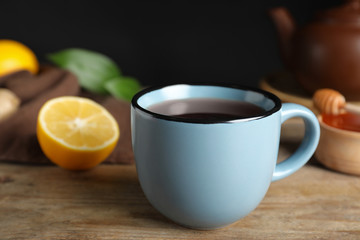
[[308, 145]]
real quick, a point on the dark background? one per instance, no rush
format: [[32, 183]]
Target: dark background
[[160, 42]]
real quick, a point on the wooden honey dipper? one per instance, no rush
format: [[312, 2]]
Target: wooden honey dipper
[[330, 101]]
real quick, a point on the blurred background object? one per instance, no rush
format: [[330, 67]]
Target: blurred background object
[[323, 53], [161, 42]]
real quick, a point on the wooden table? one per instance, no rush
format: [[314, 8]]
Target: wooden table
[[47, 202]]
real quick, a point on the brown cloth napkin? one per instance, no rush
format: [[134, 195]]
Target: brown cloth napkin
[[18, 142]]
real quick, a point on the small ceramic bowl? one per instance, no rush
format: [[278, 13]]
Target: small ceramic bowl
[[339, 149]]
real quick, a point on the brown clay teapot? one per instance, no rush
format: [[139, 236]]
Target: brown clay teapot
[[326, 52]]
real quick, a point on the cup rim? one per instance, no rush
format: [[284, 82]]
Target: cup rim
[[274, 98]]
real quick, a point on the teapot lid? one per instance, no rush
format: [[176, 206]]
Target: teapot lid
[[347, 13]]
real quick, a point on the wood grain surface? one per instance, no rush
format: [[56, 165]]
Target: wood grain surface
[[47, 202]]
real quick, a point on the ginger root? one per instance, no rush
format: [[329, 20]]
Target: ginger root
[[9, 103]]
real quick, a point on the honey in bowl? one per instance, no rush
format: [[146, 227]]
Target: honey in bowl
[[345, 121]]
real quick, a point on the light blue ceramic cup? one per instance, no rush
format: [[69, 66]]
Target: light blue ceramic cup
[[208, 174]]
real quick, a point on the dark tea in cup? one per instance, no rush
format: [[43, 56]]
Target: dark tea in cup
[[213, 109]]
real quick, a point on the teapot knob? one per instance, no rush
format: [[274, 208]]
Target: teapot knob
[[354, 4]]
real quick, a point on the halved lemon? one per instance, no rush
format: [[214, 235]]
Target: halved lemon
[[76, 133]]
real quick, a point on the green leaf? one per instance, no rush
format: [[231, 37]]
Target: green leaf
[[123, 87], [92, 69]]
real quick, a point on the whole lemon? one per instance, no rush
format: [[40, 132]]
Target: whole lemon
[[15, 56]]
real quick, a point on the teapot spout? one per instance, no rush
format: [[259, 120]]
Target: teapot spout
[[285, 26]]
